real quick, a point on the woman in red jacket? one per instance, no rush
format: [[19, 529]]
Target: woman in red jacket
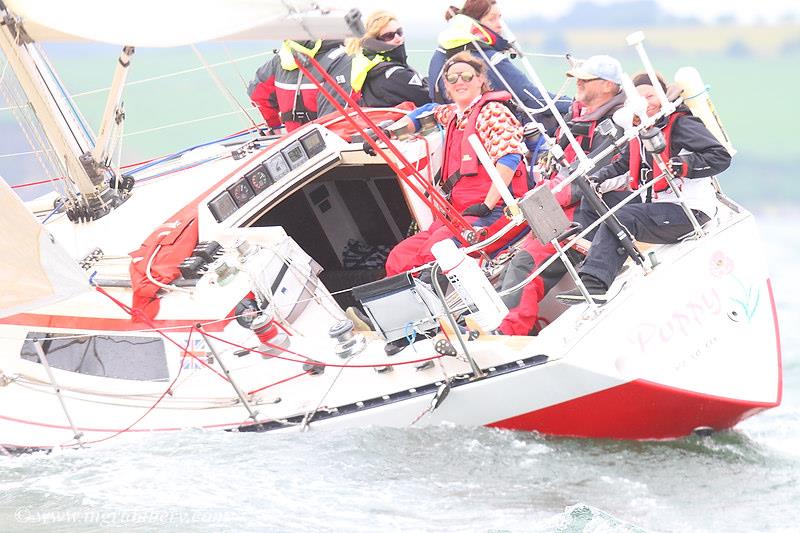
[[474, 110]]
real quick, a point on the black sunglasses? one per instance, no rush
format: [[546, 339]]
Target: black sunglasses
[[452, 77], [389, 35]]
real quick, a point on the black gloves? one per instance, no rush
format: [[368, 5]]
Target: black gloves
[[679, 166], [477, 210]]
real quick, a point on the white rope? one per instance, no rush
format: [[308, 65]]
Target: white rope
[[158, 283], [36, 137], [551, 56]]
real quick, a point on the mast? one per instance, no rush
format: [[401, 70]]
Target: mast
[[71, 140]]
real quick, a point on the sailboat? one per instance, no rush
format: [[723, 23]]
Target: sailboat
[[216, 297]]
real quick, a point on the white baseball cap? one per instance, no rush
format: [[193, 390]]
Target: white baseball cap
[[602, 66]]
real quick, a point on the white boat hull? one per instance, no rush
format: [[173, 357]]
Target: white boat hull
[[647, 367]]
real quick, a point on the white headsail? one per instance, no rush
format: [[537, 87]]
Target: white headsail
[[160, 23], [35, 269]]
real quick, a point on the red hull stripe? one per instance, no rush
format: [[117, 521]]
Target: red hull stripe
[[635, 410], [777, 340]]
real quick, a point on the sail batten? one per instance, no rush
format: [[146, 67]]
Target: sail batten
[[156, 23]]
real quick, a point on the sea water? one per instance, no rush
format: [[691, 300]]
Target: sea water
[[435, 479]]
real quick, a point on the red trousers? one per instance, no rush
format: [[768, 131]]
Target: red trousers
[[416, 250], [523, 305]]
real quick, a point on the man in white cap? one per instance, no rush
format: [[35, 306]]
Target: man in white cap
[[599, 94], [599, 80]]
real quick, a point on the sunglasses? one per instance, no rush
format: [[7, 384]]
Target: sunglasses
[[452, 77], [389, 35]]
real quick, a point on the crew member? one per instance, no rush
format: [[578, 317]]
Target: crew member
[[475, 109], [477, 28], [380, 69], [599, 94], [285, 97], [692, 155]]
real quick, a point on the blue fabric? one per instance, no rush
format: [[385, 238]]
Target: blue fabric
[[534, 147], [510, 160], [418, 111], [489, 219]]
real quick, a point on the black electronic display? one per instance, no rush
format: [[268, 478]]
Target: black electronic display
[[313, 143], [295, 154], [277, 167], [222, 206], [259, 179], [242, 192]]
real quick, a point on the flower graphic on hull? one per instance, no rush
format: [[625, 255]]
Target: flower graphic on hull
[[747, 302], [721, 264]]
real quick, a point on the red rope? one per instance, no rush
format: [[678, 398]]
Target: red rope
[[32, 183], [168, 390], [290, 378], [440, 207], [141, 316]]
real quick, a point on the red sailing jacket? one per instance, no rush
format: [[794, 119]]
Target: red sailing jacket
[[470, 181], [286, 97]]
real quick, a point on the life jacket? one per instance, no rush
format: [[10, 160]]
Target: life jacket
[[462, 30], [281, 92], [565, 197], [642, 174], [584, 138], [361, 67], [287, 49], [465, 180]]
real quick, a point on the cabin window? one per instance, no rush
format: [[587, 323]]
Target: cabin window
[[112, 356]]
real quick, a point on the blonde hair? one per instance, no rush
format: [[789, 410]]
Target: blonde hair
[[373, 26]]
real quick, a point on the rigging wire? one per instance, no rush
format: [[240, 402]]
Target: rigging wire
[[226, 92], [19, 111], [182, 123], [171, 74]]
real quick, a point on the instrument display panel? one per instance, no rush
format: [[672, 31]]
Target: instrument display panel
[[259, 179], [222, 206], [295, 154], [277, 167], [241, 191], [313, 143]]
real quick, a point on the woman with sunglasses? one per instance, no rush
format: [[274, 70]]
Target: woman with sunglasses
[[477, 28], [475, 110], [380, 70]]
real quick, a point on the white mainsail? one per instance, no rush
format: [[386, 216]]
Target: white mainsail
[[160, 23], [34, 270]]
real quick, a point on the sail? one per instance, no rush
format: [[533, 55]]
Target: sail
[[160, 23], [34, 269]]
